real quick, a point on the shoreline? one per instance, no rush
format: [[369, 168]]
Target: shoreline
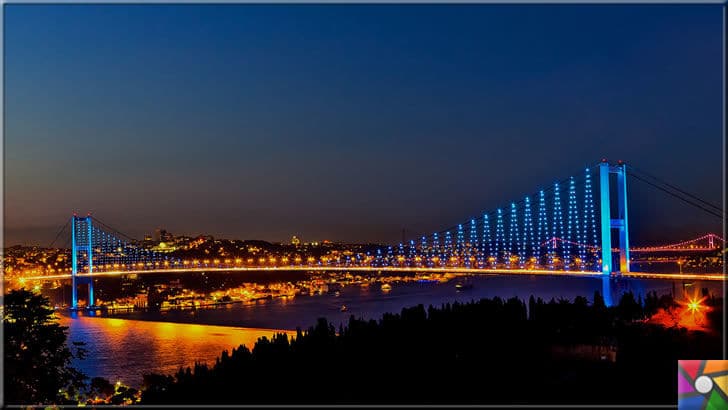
[[66, 315]]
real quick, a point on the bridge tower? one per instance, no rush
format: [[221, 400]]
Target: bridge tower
[[619, 222], [81, 251]]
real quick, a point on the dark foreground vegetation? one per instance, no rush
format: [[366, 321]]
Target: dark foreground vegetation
[[37, 359], [491, 351]]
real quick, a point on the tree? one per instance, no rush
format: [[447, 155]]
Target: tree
[[100, 387], [37, 359]]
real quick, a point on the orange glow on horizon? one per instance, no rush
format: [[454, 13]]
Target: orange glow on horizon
[[691, 314]]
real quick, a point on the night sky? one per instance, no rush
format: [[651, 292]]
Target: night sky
[[351, 122]]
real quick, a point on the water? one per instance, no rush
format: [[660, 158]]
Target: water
[[124, 350], [126, 345]]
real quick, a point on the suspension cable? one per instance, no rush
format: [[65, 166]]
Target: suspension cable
[[717, 208], [114, 230], [546, 191], [709, 211], [59, 233]]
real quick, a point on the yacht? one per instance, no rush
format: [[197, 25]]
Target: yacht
[[386, 287], [465, 285]]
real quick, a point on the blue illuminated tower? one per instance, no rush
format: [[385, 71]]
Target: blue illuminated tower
[[620, 222], [81, 251]]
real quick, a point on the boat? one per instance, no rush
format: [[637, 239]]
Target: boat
[[386, 287], [337, 293], [463, 286], [344, 308]]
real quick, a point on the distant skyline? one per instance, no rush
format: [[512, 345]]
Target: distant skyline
[[351, 122]]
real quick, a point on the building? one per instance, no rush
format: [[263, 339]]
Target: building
[[164, 247], [141, 300]]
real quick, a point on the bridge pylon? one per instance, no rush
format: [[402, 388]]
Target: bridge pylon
[[619, 221], [81, 253]]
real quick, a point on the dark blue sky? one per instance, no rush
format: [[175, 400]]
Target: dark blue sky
[[350, 122]]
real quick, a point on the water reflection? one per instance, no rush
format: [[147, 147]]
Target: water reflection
[[607, 290], [121, 349], [148, 341]]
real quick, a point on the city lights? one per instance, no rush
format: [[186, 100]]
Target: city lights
[[525, 242]]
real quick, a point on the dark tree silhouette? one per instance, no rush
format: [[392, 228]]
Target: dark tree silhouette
[[37, 359], [490, 351]]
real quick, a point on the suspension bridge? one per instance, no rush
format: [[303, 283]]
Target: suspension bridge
[[578, 226]]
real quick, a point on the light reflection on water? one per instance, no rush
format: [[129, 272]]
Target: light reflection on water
[[121, 349], [124, 349]]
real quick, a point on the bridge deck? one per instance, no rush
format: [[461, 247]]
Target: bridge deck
[[480, 271]]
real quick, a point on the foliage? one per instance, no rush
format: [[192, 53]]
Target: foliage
[[37, 359], [491, 351]]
